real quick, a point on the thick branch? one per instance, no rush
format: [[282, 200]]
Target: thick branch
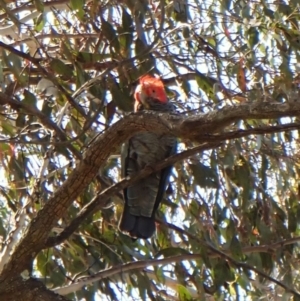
[[197, 126], [30, 289], [100, 200], [105, 144]]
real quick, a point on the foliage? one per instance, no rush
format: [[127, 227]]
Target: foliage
[[228, 226]]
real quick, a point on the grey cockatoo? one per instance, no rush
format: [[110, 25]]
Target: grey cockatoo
[[143, 197]]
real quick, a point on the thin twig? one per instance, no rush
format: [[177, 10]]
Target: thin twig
[[234, 262]]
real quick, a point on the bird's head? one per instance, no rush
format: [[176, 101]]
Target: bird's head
[[149, 90]]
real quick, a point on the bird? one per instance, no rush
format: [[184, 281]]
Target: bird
[[142, 198]]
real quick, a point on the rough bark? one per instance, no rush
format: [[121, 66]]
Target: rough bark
[[195, 128], [29, 290]]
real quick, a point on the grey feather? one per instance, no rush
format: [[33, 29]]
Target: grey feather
[[143, 198]]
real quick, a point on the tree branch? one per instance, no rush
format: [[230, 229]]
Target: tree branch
[[30, 289], [50, 76], [194, 128], [120, 269], [123, 268], [236, 263], [99, 201], [48, 123], [197, 126], [21, 54], [255, 131], [141, 264]]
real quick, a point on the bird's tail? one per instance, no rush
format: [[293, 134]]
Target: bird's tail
[[136, 226]]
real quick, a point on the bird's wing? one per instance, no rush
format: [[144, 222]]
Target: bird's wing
[[143, 198]]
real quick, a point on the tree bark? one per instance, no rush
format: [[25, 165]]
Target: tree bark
[[196, 128], [29, 290]]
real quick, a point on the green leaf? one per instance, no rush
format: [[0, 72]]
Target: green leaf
[[226, 4], [39, 5], [285, 9], [47, 108], [40, 22], [8, 128], [183, 293], [126, 33], [21, 120], [230, 230], [243, 281], [148, 62], [29, 98], [110, 33], [267, 261], [11, 15], [242, 177], [109, 235], [204, 175], [246, 11], [235, 248], [67, 51], [143, 285], [61, 68], [222, 273], [194, 208], [81, 75], [3, 231], [180, 12], [292, 36], [77, 6], [127, 21], [168, 252], [269, 13], [229, 158], [42, 260], [1, 72], [14, 63], [206, 84], [159, 272], [292, 220], [253, 36], [121, 99], [88, 57]]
